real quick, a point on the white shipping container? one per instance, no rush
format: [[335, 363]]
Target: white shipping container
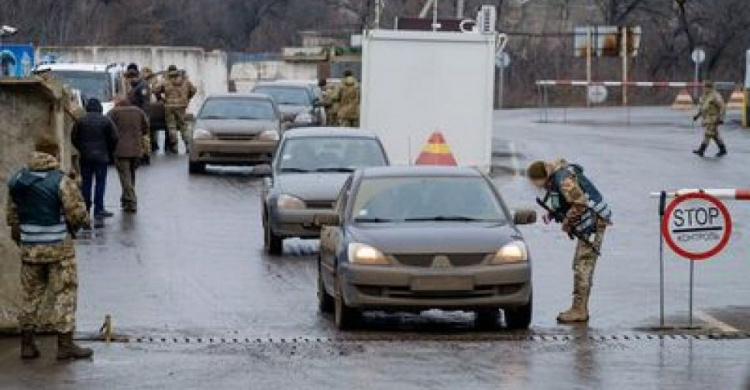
[[415, 83]]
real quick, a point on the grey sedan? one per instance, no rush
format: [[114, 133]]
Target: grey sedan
[[308, 171], [417, 238]]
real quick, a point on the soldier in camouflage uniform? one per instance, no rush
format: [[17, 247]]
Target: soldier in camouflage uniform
[[176, 92], [574, 201], [712, 109], [347, 96], [44, 210]]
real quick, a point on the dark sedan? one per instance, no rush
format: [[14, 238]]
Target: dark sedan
[[418, 238]]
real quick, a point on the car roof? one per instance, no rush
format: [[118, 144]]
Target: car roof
[[77, 66], [337, 132], [286, 83], [420, 171], [260, 96]]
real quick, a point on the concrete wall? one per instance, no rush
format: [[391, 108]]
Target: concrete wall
[[207, 70], [29, 108]]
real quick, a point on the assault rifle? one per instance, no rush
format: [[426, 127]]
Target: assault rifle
[[559, 218]]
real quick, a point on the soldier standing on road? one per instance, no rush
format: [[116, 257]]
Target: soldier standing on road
[[327, 101], [348, 99], [132, 125], [45, 210], [712, 109], [153, 83], [139, 95], [176, 91], [574, 201]]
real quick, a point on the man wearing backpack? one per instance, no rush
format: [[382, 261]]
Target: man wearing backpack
[[572, 200]]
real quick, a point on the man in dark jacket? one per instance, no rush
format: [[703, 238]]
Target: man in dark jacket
[[139, 95], [132, 125], [95, 137]]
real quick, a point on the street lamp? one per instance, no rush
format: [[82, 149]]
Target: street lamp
[[7, 31]]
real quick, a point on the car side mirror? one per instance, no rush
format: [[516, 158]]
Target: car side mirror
[[262, 170], [524, 217], [328, 219]]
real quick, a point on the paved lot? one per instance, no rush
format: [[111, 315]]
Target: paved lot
[[190, 268]]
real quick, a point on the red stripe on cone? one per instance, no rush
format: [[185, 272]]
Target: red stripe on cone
[[428, 157]]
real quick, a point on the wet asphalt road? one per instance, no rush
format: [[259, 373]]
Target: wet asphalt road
[[190, 269]]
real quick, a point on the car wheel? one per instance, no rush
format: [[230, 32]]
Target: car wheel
[[326, 302], [196, 167], [346, 317], [273, 243], [520, 317], [487, 319]]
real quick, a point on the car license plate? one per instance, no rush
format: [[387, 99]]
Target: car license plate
[[443, 283]]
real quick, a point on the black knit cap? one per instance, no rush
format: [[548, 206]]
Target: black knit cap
[[132, 66]]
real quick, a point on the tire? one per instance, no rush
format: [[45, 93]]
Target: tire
[[345, 317], [487, 319], [273, 243], [520, 317], [196, 167], [326, 303]]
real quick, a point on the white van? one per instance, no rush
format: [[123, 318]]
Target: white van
[[100, 81]]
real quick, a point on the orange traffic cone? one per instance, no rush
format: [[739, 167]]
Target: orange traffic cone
[[683, 101], [436, 152], [737, 100]]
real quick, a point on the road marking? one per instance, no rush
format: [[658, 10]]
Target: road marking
[[712, 321]]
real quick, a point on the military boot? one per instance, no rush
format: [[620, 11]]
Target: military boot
[[722, 150], [577, 313], [701, 150], [67, 349], [29, 350]]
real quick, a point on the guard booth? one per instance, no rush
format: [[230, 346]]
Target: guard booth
[[30, 108]]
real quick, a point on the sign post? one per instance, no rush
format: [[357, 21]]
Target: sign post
[[696, 226], [698, 56], [502, 61]]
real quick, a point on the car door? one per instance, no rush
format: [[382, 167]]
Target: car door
[[332, 237]]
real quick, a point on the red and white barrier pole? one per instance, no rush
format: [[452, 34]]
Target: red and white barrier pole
[[721, 193]]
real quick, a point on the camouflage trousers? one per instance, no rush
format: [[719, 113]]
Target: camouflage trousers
[[60, 279], [584, 262], [712, 133], [175, 118]]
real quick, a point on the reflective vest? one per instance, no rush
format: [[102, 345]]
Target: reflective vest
[[597, 207], [37, 198]]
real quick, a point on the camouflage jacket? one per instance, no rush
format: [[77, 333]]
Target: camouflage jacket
[[176, 90], [573, 194], [73, 207], [348, 98], [711, 107]]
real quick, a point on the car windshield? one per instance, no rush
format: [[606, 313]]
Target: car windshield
[[417, 199], [292, 96], [233, 108], [91, 84], [329, 154]]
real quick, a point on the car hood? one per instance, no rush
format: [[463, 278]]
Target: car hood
[[435, 237], [288, 109], [236, 126], [311, 186]]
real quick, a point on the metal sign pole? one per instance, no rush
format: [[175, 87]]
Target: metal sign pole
[[692, 281], [696, 79], [662, 205]]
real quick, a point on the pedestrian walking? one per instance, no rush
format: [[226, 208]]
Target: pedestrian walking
[[95, 137], [138, 92], [132, 125], [327, 101], [44, 211], [712, 109], [572, 200], [176, 92], [348, 96]]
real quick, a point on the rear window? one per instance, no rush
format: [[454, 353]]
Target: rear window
[[248, 109], [292, 96]]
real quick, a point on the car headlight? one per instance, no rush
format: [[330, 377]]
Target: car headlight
[[269, 135], [363, 254], [289, 202], [202, 134], [303, 117], [513, 252]]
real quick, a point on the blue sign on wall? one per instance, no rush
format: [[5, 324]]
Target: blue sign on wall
[[16, 60]]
